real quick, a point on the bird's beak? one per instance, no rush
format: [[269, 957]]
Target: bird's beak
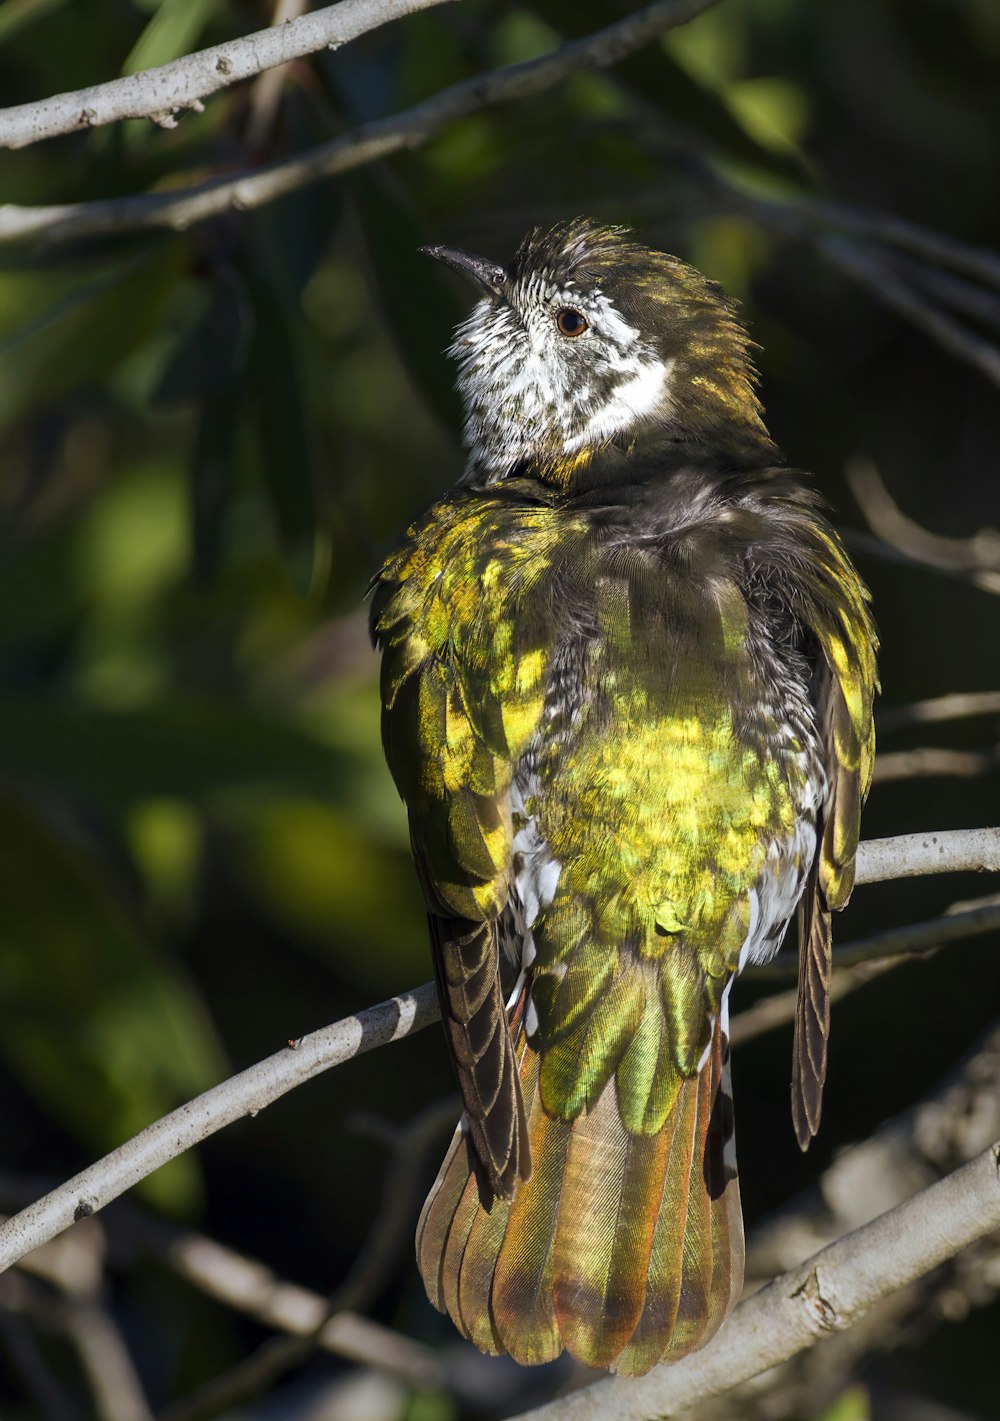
[[487, 275]]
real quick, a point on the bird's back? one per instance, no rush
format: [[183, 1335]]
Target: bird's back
[[658, 789]]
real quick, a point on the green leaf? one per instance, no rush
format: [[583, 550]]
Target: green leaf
[[99, 1026], [173, 31], [213, 479], [204, 751], [212, 355], [418, 299], [51, 347], [16, 15], [285, 443]]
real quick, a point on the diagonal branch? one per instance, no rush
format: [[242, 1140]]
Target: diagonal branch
[[251, 1090], [181, 207], [161, 93], [825, 1296], [243, 1094]]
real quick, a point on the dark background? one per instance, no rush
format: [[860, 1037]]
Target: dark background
[[208, 440]]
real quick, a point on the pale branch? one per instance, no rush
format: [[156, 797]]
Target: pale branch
[[946, 1130], [241, 1095], [867, 543], [387, 1239], [163, 92], [779, 1008], [73, 1262], [806, 216], [908, 855], [979, 553], [858, 963], [956, 706], [934, 761], [181, 207], [912, 855], [867, 266], [252, 1288], [822, 1297], [267, 89], [978, 263]]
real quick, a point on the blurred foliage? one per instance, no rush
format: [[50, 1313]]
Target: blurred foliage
[[209, 438]]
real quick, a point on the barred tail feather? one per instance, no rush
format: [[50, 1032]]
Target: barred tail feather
[[625, 1250]]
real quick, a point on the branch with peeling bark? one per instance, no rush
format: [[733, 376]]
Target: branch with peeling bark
[[160, 94]]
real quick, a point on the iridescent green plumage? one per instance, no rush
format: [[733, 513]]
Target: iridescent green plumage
[[627, 683]]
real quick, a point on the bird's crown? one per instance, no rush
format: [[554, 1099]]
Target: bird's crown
[[589, 340]]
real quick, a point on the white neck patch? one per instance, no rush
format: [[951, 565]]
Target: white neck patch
[[532, 393]]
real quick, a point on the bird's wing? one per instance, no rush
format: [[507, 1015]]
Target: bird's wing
[[462, 693], [836, 614]]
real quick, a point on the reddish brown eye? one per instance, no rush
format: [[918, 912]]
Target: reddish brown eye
[[570, 322]]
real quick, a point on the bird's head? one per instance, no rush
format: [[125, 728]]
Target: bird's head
[[589, 340]]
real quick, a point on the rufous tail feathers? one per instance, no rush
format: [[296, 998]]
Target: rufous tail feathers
[[625, 1250]]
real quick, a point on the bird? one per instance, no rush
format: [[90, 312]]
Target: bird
[[627, 679]]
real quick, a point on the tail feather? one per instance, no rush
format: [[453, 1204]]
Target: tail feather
[[707, 1250], [521, 1301], [613, 1191], [624, 1249], [437, 1217]]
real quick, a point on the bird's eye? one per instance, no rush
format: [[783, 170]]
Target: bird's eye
[[570, 322]]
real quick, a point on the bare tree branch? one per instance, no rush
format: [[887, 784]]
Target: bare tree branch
[[928, 761], [906, 856], [912, 855], [869, 268], [824, 1296], [163, 92], [860, 962], [942, 1132], [977, 554], [388, 1237], [955, 706], [243, 1094], [181, 207]]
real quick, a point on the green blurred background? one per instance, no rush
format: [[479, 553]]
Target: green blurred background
[[207, 441]]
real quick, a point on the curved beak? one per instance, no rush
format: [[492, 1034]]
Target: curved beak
[[487, 275]]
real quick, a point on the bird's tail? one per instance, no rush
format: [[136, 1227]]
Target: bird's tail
[[626, 1250]]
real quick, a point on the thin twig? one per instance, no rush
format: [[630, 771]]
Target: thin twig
[[861, 542], [386, 1239], [267, 88], [868, 267], [858, 963], [252, 1288], [955, 706], [938, 1134], [931, 760], [978, 553], [114, 1381], [409, 129], [219, 1272], [28, 1361], [824, 1296], [163, 92]]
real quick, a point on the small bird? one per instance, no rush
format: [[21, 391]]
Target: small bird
[[627, 683]]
